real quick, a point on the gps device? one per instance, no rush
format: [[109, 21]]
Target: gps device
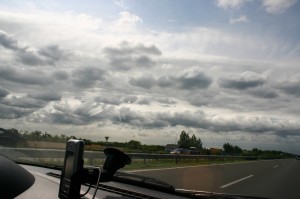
[[70, 181]]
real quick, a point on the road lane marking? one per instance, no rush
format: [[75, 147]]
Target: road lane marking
[[234, 182], [186, 167], [275, 166]]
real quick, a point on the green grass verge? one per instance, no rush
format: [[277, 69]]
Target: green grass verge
[[137, 164], [157, 164]]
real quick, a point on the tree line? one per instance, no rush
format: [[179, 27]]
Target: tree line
[[185, 141], [39, 136]]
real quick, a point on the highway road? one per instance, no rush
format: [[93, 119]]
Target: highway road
[[268, 178]]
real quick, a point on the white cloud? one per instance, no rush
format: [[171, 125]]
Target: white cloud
[[85, 35], [231, 3], [270, 6], [277, 6], [240, 19], [121, 4], [127, 22]]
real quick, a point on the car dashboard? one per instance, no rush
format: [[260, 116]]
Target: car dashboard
[[46, 186]]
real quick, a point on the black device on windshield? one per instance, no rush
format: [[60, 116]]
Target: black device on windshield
[[74, 175], [70, 181]]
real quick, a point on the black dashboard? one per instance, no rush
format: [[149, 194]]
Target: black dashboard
[[47, 187]]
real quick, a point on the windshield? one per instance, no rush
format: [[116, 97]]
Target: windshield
[[202, 95]]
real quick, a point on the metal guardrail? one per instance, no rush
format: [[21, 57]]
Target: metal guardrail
[[182, 157], [21, 154]]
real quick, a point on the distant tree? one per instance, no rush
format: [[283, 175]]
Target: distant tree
[[193, 140], [185, 141], [228, 148], [133, 144], [256, 152], [196, 142], [11, 137], [86, 141], [232, 150], [13, 131], [237, 150]]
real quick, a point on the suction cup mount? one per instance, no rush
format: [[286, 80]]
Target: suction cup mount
[[115, 159]]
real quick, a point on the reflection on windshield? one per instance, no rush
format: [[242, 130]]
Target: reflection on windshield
[[173, 84]]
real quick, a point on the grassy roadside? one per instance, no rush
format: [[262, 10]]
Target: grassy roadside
[[136, 164], [161, 164]]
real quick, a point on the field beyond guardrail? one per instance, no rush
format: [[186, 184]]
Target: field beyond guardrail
[[96, 158]]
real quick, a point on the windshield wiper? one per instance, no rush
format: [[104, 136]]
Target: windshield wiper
[[142, 181]]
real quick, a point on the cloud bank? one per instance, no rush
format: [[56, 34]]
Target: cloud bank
[[93, 76]]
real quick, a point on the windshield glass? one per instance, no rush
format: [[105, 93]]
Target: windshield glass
[[174, 84]]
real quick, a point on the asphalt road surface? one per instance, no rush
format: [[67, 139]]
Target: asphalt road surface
[[267, 178]]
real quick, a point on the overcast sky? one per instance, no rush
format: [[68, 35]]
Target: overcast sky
[[224, 70]]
